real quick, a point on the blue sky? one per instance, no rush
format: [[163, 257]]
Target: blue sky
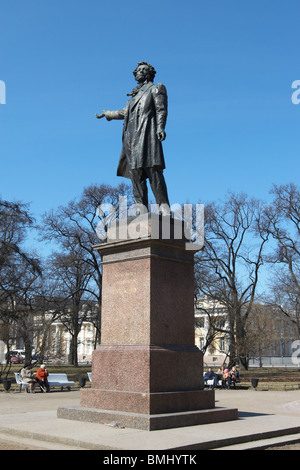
[[228, 67]]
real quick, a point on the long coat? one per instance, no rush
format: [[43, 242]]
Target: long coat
[[144, 115]]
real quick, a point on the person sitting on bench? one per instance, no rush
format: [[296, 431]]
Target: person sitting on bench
[[210, 375], [28, 377], [42, 378], [234, 376]]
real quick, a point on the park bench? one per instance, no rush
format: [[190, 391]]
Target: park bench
[[54, 380], [60, 380]]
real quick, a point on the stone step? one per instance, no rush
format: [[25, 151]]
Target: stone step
[[11, 441], [31, 443], [263, 443]]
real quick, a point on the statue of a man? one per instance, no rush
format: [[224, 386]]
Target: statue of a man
[[145, 116]]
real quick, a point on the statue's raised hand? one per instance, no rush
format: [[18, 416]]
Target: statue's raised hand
[[99, 116]]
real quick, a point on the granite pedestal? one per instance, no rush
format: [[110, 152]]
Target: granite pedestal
[[147, 373]]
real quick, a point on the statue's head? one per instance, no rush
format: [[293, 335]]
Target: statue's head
[[147, 69]]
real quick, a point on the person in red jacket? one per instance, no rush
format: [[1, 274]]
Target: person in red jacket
[[42, 378]]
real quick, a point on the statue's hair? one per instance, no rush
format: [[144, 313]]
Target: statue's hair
[[151, 70]]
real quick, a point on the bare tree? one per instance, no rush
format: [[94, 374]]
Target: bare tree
[[76, 224], [283, 216], [15, 220], [227, 269], [19, 270], [73, 275], [17, 309]]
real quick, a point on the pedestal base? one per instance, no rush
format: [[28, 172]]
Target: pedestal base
[[149, 422], [147, 373], [148, 403]]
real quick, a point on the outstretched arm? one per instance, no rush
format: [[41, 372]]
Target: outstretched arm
[[111, 114]]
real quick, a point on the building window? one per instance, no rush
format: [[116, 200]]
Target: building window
[[222, 344], [201, 342], [89, 346]]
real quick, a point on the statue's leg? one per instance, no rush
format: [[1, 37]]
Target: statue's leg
[[159, 187], [139, 185]]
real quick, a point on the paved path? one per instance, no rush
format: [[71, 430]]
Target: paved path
[[261, 414]]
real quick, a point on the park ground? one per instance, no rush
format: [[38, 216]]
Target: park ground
[[271, 379]]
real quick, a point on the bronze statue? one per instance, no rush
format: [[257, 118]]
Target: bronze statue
[[145, 116]]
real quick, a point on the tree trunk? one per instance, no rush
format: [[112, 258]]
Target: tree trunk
[[28, 350], [73, 355]]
